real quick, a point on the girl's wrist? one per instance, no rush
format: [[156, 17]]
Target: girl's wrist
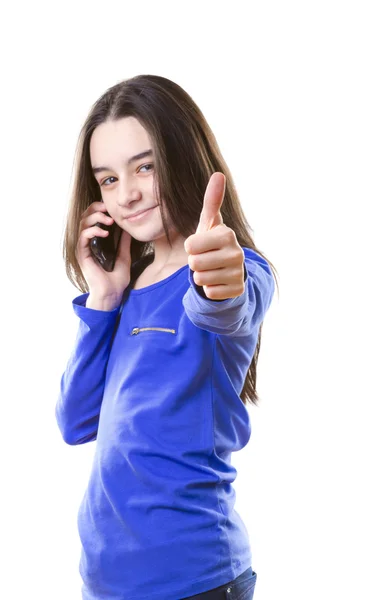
[[106, 304]]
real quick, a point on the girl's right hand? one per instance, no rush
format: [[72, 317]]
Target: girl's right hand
[[103, 285]]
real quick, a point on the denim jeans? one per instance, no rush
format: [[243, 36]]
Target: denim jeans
[[241, 588]]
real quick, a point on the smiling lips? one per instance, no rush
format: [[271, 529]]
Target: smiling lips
[[139, 215]]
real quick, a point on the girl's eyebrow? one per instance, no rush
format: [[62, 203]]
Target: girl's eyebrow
[[129, 161]]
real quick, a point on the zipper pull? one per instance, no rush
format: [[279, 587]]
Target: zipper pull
[[135, 331]]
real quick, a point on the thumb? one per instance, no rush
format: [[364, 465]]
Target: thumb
[[212, 202]]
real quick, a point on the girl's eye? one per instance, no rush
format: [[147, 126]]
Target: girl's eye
[[148, 165], [103, 182]]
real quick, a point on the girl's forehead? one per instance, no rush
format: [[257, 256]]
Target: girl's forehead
[[120, 139], [128, 128]]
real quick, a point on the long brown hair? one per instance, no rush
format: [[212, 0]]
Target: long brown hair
[[185, 154]]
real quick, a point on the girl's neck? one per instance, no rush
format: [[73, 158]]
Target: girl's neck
[[164, 256]]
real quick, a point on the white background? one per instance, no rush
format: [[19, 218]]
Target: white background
[[284, 87]]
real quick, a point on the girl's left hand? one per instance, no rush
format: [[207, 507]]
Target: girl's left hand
[[215, 255]]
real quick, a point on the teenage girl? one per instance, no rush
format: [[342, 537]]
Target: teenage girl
[[165, 356]]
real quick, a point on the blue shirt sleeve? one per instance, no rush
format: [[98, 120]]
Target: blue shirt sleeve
[[82, 383], [234, 316]]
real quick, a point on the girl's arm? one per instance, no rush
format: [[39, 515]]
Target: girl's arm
[[235, 316], [82, 383], [232, 314]]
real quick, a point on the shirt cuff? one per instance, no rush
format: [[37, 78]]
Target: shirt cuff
[[92, 316]]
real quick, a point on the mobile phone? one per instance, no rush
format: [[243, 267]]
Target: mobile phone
[[105, 249]]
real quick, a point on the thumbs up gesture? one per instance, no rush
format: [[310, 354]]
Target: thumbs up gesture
[[214, 254]]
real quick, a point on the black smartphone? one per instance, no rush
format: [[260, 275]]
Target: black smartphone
[[105, 249]]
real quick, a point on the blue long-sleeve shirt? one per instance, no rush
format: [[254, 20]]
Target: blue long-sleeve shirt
[[159, 391]]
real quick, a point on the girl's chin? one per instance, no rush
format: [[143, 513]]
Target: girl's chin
[[148, 236]]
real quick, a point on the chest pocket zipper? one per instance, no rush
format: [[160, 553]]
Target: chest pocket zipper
[[136, 330]]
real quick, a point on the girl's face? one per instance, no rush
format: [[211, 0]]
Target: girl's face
[[122, 162]]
